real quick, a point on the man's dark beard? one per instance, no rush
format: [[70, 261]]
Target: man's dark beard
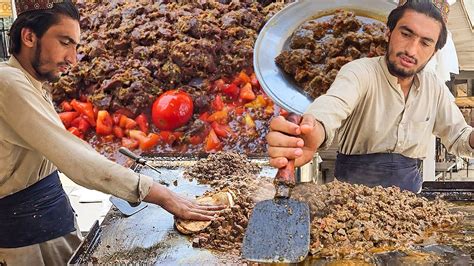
[[398, 72], [36, 64]]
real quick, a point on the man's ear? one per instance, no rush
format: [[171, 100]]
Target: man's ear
[[28, 38], [387, 35]]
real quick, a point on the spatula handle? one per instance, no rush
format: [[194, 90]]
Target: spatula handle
[[285, 177]]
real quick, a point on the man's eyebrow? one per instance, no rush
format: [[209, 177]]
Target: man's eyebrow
[[71, 40], [413, 33]]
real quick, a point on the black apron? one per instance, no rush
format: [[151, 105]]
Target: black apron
[[36, 214], [379, 169]]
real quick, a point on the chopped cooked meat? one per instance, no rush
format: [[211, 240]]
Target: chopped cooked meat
[[159, 46], [349, 220]]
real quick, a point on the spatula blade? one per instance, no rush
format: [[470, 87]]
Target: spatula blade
[[278, 231]]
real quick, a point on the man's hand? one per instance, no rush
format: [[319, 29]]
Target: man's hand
[[291, 141], [179, 206]]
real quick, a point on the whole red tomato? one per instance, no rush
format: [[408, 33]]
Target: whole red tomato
[[172, 109]]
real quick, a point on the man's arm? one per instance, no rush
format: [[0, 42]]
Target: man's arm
[[450, 125], [35, 121]]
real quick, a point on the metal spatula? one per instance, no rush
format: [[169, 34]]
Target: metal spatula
[[278, 229]]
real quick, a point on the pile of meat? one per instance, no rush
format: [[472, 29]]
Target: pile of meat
[[319, 48], [238, 173], [133, 50], [349, 221]]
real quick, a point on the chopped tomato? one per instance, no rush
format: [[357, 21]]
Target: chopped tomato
[[242, 78], [231, 90], [67, 117], [249, 121], [149, 142], [217, 104], [219, 116], [270, 110], [195, 140], [172, 109], [239, 110], [83, 125], [254, 81], [213, 143], [204, 116], [66, 106], [84, 109], [104, 123], [75, 121], [136, 134], [142, 122], [167, 137], [127, 123], [116, 118], [259, 102], [76, 132], [118, 132], [129, 143], [246, 92], [223, 131]]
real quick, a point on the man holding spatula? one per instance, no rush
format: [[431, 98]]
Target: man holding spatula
[[37, 223], [384, 109]]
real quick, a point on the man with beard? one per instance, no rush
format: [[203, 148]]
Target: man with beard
[[37, 223], [383, 110]]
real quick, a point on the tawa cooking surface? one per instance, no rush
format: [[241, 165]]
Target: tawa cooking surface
[[149, 235]]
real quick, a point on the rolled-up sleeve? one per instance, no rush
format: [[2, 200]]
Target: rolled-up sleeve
[[35, 121], [338, 103], [451, 126]]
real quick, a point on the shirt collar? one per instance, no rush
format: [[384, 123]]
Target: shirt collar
[[394, 80], [13, 62]]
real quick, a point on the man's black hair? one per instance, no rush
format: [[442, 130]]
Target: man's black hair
[[425, 7], [39, 21]]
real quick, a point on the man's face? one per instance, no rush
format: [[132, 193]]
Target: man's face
[[56, 51], [412, 44]]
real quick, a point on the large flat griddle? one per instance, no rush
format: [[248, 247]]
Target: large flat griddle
[[149, 236]]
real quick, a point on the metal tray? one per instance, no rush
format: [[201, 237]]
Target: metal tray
[[274, 36], [148, 237]]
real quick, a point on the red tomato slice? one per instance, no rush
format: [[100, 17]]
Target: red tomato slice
[[127, 123], [104, 123], [218, 103], [67, 118], [118, 132], [223, 131], [85, 109], [66, 106], [213, 143], [129, 143], [195, 140], [246, 92], [142, 122], [231, 90]]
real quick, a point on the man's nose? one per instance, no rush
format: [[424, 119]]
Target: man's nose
[[71, 56], [412, 47]]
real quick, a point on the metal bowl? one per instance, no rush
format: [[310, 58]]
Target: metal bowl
[[274, 36]]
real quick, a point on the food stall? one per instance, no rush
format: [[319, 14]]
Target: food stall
[[135, 57]]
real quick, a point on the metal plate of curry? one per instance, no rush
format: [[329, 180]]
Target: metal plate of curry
[[274, 36]]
